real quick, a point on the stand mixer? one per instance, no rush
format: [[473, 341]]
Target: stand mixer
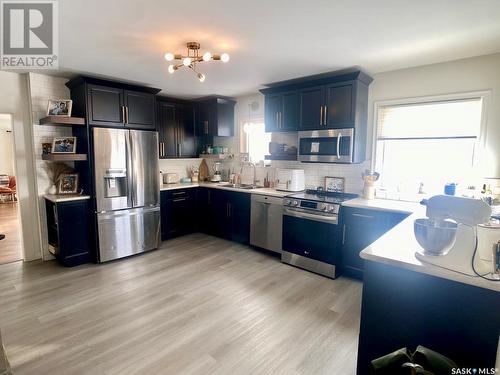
[[455, 245]]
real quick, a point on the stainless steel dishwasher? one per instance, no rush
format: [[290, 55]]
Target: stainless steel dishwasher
[[266, 222]]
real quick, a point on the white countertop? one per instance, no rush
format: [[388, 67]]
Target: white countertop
[[56, 198], [383, 205], [219, 185], [397, 248]]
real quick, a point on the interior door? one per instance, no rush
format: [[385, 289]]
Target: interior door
[[311, 101], [105, 106], [140, 107], [112, 171], [145, 169]]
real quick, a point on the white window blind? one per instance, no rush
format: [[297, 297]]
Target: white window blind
[[428, 143], [447, 119]]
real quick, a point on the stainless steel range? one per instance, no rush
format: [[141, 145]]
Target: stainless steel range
[[311, 234]]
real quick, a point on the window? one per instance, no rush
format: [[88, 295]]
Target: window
[[255, 140], [428, 143]]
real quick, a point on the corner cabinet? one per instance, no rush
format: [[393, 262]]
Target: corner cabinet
[[176, 130], [360, 228], [215, 117], [113, 104], [324, 101]]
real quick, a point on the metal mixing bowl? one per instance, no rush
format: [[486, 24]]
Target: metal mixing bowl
[[437, 237]]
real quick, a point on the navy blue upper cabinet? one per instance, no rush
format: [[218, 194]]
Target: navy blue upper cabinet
[[112, 103], [324, 101], [311, 108], [282, 112], [215, 117]]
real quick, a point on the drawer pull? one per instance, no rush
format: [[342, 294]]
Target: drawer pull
[[365, 216], [178, 193]]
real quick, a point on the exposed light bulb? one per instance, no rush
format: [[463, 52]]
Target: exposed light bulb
[[207, 56], [171, 69], [224, 57], [186, 61], [201, 77], [169, 56]]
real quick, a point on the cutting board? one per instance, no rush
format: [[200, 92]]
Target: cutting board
[[204, 171]]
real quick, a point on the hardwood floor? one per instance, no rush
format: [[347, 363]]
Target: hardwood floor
[[199, 305], [10, 247]]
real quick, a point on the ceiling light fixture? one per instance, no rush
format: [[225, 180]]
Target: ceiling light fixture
[[192, 58]]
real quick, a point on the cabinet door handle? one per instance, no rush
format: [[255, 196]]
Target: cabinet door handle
[[321, 115], [277, 120], [206, 126], [343, 234], [325, 117], [178, 193], [126, 115], [123, 114], [281, 120], [365, 216], [179, 200]]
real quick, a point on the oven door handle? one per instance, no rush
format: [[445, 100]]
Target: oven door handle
[[304, 215]]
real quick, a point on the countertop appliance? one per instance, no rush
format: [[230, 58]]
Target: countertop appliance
[[292, 180], [127, 191], [171, 178], [311, 234], [326, 146], [466, 255], [266, 222], [217, 176]]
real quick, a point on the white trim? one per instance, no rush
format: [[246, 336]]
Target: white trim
[[485, 95]]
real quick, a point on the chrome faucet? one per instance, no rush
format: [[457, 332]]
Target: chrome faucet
[[249, 163]]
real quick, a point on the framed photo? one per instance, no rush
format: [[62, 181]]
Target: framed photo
[[335, 184], [68, 183], [64, 145], [60, 107]]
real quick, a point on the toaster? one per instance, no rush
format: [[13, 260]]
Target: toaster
[[290, 179], [171, 178]]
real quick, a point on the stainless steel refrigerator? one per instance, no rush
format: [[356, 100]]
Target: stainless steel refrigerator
[[127, 191]]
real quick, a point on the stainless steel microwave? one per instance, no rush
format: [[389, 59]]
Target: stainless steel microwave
[[326, 146]]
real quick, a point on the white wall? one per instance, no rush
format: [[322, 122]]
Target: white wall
[[14, 99], [42, 88], [6, 145], [474, 74]]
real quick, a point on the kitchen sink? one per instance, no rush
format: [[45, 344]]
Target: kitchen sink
[[243, 187]]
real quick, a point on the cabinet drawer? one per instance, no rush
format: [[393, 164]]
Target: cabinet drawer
[[178, 193], [361, 216]]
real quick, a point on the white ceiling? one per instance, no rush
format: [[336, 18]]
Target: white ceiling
[[269, 40]]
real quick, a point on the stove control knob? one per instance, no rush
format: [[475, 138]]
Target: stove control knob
[[295, 203], [288, 202]]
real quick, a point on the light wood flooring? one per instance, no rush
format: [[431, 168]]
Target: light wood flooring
[[199, 305], [10, 247]]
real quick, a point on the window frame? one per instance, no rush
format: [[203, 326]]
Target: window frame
[[484, 95]]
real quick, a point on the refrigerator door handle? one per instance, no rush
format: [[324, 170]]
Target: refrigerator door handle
[[130, 175]]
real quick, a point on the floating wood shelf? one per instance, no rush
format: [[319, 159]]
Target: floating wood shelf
[[64, 157], [281, 157], [61, 120]]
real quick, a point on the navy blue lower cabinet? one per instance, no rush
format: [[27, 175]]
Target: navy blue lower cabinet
[[69, 231], [402, 308], [178, 216], [360, 228]]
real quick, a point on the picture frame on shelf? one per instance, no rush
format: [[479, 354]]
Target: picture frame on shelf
[[334, 184], [68, 183], [64, 145], [59, 107]]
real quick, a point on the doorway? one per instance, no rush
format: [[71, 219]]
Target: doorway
[[10, 226]]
